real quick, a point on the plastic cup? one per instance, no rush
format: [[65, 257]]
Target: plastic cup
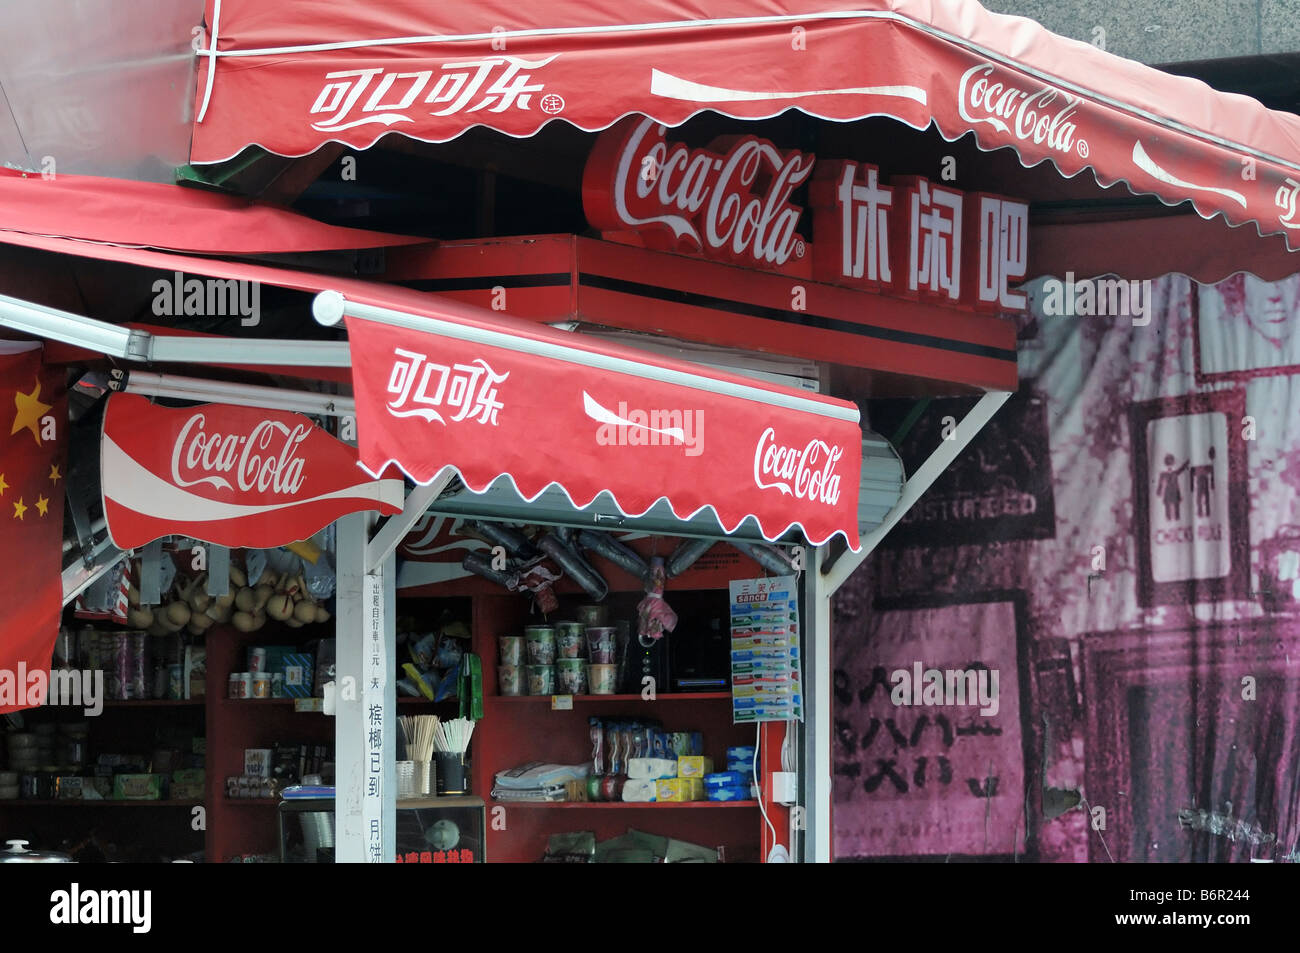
[[601, 645]]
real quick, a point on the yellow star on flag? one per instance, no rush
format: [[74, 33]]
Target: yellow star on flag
[[54, 473], [42, 504], [30, 412], [3, 485], [19, 509]]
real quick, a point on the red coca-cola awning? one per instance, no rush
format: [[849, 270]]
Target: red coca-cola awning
[[494, 397], [292, 75]]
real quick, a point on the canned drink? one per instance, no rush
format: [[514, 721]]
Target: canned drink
[[256, 660], [261, 684], [277, 685]]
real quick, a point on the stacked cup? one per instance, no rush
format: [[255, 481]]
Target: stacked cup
[[510, 664], [539, 642], [570, 666]]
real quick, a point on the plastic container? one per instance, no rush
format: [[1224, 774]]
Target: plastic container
[[510, 650], [569, 640]]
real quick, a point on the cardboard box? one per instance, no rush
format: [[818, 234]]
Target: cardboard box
[[137, 787], [679, 789], [694, 766], [298, 670]]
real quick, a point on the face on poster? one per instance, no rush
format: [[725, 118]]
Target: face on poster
[[923, 770], [1246, 325], [1188, 530]]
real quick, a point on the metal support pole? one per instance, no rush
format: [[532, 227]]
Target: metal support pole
[[818, 715]]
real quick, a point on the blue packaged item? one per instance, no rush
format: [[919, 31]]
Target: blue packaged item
[[733, 793], [741, 753], [722, 779]]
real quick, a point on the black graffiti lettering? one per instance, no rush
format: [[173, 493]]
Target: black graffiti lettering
[[870, 736], [879, 678], [989, 789], [849, 769], [886, 771], [945, 770], [842, 693], [973, 728], [900, 739], [918, 776], [940, 721], [844, 733]]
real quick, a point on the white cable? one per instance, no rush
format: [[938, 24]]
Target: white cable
[[758, 737]]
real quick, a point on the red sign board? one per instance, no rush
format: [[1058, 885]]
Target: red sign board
[[235, 476], [907, 236]]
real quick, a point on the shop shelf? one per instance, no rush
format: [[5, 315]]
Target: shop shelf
[[621, 805], [661, 697], [252, 801], [77, 802], [152, 702]]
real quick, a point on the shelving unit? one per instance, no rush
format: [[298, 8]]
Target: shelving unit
[[518, 729]]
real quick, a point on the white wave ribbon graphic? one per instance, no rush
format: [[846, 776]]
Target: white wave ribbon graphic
[[137, 488], [674, 87], [605, 416], [1145, 163]]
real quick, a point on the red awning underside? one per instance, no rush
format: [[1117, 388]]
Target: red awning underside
[[295, 74], [153, 215]]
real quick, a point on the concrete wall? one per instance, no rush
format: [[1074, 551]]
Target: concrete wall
[[1169, 31]]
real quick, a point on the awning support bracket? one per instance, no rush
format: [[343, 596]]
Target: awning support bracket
[[838, 573], [395, 529]]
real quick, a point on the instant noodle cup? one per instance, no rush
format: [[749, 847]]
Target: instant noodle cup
[[569, 638], [600, 645], [510, 649], [602, 678], [541, 679], [571, 675], [591, 616], [510, 679], [540, 641]]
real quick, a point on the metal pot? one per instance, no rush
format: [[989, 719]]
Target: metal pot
[[19, 854]]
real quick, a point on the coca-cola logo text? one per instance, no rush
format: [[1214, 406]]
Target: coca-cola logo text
[[806, 473], [263, 460], [1041, 116], [733, 205]]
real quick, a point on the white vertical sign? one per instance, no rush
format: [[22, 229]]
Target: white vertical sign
[[375, 672]]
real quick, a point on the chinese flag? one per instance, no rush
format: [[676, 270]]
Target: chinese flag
[[33, 427]]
